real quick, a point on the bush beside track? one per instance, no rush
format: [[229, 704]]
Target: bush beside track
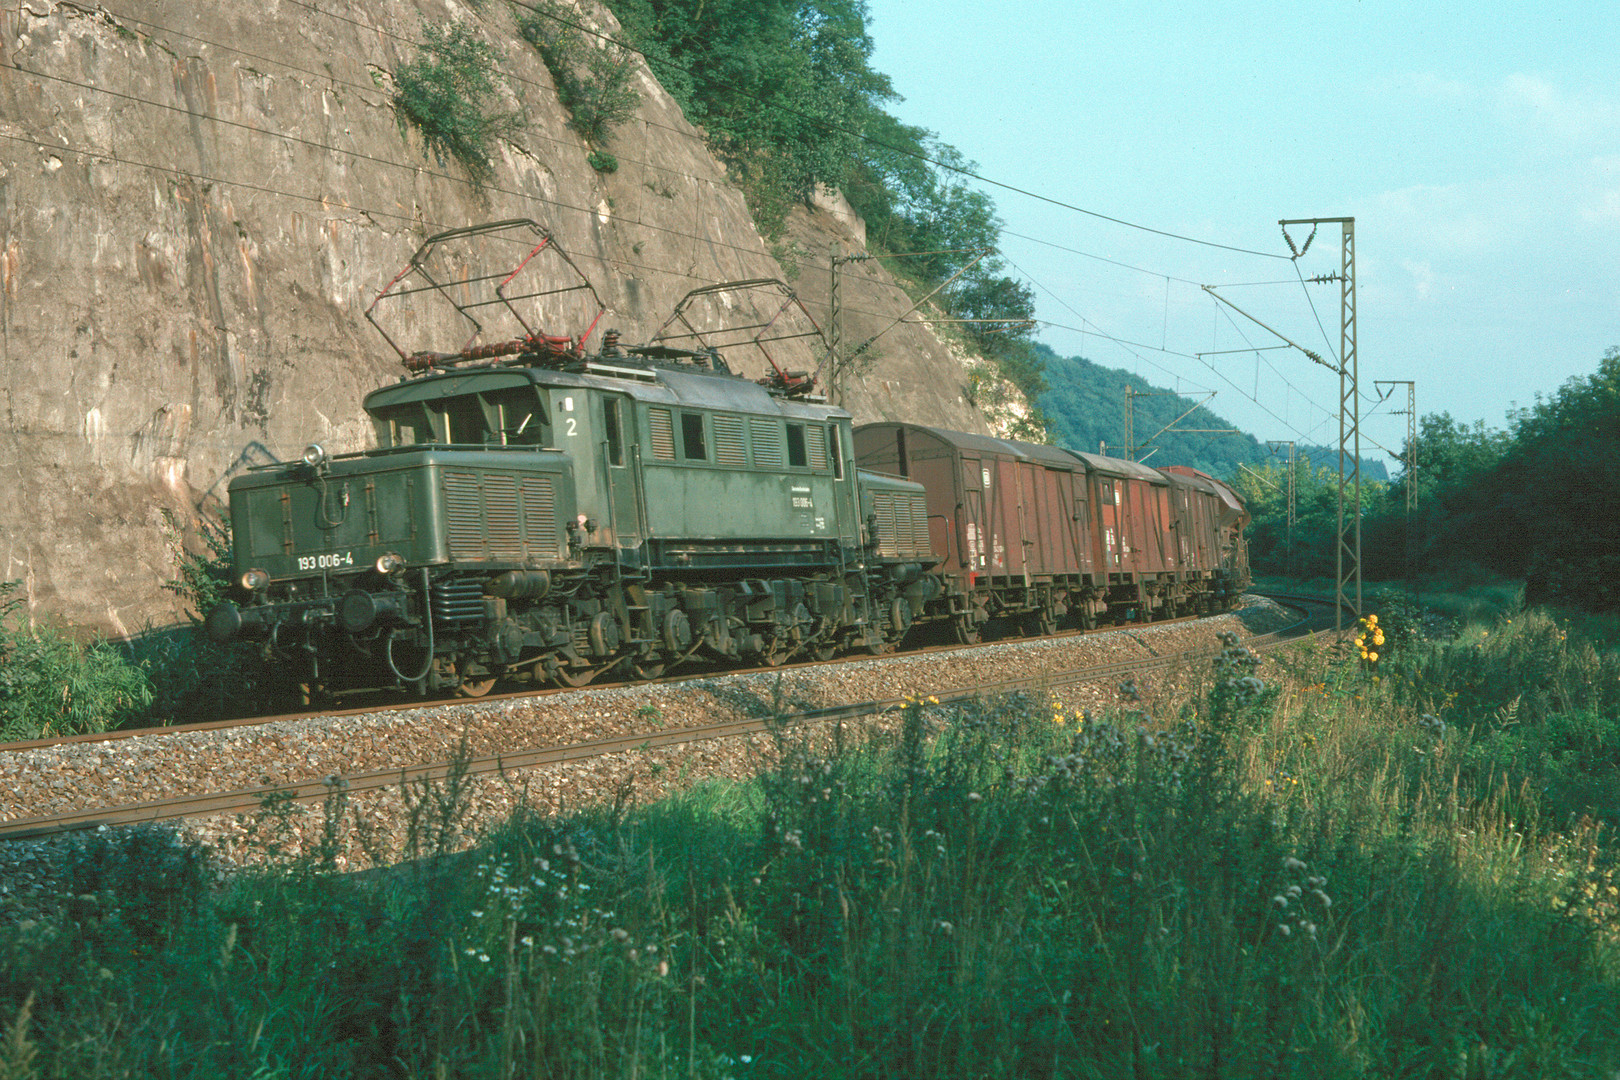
[[1313, 868]]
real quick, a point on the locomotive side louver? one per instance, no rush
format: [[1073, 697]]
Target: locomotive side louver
[[883, 510], [497, 516], [917, 535], [767, 439], [661, 428], [728, 440]]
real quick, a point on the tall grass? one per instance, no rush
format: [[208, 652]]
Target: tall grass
[[1310, 868]]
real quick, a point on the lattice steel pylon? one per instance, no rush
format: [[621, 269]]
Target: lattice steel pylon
[[1277, 444], [1347, 593]]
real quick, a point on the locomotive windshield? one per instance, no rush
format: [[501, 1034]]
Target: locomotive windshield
[[509, 417]]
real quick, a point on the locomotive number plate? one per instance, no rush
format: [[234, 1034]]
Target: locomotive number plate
[[325, 562]]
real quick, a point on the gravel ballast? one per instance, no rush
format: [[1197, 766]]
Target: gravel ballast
[[375, 825]]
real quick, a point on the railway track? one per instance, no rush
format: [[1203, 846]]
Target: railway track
[[248, 799], [393, 705]]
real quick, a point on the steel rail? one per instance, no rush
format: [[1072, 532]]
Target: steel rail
[[547, 691], [248, 799]]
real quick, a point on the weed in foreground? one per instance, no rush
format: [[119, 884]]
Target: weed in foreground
[[980, 892]]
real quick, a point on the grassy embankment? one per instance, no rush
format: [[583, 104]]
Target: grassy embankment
[[1315, 868]]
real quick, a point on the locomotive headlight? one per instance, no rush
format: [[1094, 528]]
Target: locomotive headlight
[[254, 580], [314, 455], [389, 563]]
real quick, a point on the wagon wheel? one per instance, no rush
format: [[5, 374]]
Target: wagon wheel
[[648, 668], [570, 678], [476, 679], [1044, 621], [965, 630], [824, 650]]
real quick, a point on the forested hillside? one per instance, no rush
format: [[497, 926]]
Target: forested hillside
[[1084, 406], [1535, 501], [786, 94]]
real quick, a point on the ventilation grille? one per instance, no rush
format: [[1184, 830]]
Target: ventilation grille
[[500, 517], [919, 524], [767, 437], [540, 517], [662, 429], [817, 439], [728, 440], [883, 510]]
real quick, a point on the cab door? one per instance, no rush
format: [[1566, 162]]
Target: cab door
[[620, 459]]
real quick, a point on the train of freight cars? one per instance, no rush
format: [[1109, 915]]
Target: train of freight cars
[[534, 511]]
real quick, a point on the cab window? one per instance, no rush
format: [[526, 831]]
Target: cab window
[[693, 445], [611, 431], [506, 418]]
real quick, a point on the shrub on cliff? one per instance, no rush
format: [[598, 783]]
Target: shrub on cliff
[[595, 78], [448, 93]]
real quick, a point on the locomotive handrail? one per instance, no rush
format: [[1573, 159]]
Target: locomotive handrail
[[385, 451]]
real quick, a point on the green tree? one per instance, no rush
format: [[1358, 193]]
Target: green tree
[[780, 86]]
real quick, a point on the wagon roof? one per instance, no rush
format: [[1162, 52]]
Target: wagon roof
[[1230, 499], [1120, 467], [1182, 474], [1051, 456]]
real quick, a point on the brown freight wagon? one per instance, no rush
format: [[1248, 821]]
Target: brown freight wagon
[[1008, 523], [1171, 539], [1210, 522], [1147, 537]]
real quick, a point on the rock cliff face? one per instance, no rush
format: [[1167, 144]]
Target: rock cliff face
[[199, 202]]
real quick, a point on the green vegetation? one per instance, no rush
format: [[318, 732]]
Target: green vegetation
[[52, 685], [1085, 406], [595, 78], [786, 95], [1534, 503], [449, 92], [1314, 868]]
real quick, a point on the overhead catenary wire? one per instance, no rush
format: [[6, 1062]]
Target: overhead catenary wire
[[947, 166], [828, 125], [1166, 351], [404, 39]]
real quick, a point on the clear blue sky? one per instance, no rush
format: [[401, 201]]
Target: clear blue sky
[[1476, 145]]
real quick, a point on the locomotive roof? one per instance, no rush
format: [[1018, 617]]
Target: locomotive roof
[[652, 383]]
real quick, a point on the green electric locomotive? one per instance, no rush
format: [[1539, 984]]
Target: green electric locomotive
[[532, 511]]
